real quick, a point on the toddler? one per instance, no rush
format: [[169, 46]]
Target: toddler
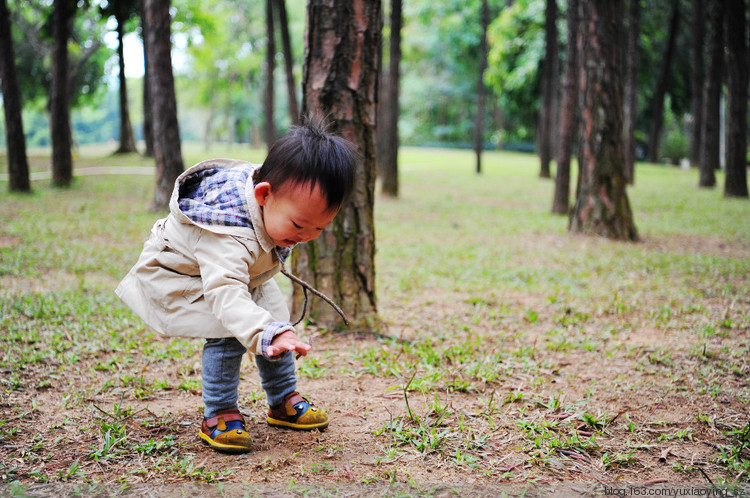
[[206, 271]]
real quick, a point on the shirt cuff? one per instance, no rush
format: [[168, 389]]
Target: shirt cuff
[[272, 330]]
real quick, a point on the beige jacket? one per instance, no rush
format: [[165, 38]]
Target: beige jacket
[[209, 281]]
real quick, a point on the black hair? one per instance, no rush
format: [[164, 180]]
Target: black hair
[[309, 153]]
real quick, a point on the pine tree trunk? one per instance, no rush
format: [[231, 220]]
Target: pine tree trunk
[[286, 46], [630, 110], [18, 164], [481, 89], [148, 116], [340, 81], [381, 107], [60, 131], [390, 165], [127, 141], [661, 88], [737, 80], [712, 98], [167, 145], [698, 28], [269, 121], [602, 206], [568, 114], [549, 86]]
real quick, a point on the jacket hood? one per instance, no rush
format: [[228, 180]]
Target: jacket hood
[[257, 231]]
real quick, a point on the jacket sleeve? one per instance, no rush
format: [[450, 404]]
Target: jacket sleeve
[[224, 263]]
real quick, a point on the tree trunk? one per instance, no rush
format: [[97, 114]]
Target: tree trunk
[[549, 86], [481, 89], [630, 110], [602, 206], [568, 114], [340, 81], [60, 132], [286, 45], [127, 141], [270, 125], [167, 146], [737, 79], [381, 107], [712, 97], [18, 164], [390, 163], [661, 88], [696, 81], [148, 116]]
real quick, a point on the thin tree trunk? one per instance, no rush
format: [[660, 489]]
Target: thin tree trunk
[[148, 116], [60, 132], [568, 114], [630, 110], [286, 45], [696, 81], [735, 184], [167, 145], [602, 206], [661, 88], [390, 166], [18, 164], [127, 141], [481, 89], [549, 86], [270, 125], [712, 98], [381, 107], [340, 81]]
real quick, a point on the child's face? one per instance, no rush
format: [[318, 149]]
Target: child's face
[[294, 214]]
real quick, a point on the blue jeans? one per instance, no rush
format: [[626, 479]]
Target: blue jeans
[[221, 375]]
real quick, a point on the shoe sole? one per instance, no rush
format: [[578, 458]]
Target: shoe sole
[[223, 448], [291, 425]]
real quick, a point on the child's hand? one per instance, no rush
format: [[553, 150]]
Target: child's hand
[[287, 341]]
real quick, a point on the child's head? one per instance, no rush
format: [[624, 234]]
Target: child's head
[[304, 181]]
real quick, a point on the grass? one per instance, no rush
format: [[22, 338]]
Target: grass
[[516, 352]]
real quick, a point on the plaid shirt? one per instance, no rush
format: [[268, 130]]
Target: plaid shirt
[[216, 197]]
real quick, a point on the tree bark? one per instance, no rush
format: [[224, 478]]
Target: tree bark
[[712, 97], [481, 89], [568, 114], [18, 164], [735, 184], [602, 206], [340, 81], [630, 110], [390, 161], [381, 107], [698, 28], [167, 146], [661, 88], [148, 116], [270, 125], [549, 86], [286, 45], [127, 141], [60, 131]]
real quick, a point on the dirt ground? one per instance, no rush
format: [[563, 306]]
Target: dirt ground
[[616, 404]]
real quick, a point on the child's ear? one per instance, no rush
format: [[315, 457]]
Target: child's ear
[[262, 191]]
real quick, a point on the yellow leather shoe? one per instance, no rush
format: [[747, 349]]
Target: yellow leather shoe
[[226, 432], [297, 413]]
